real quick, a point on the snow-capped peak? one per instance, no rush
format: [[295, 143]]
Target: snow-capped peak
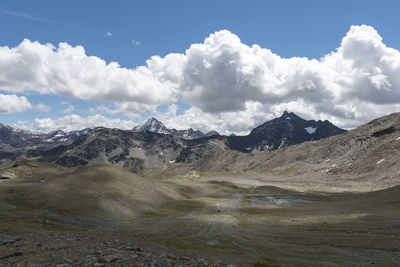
[[156, 126], [152, 125]]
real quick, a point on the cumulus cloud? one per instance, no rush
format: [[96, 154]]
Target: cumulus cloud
[[108, 34], [231, 86], [238, 122], [42, 107], [13, 104], [130, 109], [70, 108], [75, 122]]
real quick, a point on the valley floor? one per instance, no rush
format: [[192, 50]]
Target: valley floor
[[199, 221]]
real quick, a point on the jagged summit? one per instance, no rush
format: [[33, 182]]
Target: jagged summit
[[151, 142], [289, 115], [151, 125], [286, 130], [156, 126]]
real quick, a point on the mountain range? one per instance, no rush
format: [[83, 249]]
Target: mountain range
[[156, 126], [151, 143]]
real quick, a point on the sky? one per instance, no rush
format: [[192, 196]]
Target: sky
[[210, 65]]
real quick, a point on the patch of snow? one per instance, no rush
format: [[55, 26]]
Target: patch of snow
[[328, 160], [288, 118], [283, 141], [334, 165], [280, 201], [172, 161], [398, 138], [248, 148], [379, 162], [310, 129]]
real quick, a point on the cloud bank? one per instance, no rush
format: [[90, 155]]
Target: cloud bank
[[231, 86], [13, 104], [75, 122]]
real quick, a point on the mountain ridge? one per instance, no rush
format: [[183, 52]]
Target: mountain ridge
[[156, 126], [151, 143]]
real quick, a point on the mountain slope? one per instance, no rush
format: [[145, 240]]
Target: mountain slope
[[366, 157], [151, 143], [156, 126], [289, 129]]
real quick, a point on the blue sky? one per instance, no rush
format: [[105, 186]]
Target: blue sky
[[131, 32]]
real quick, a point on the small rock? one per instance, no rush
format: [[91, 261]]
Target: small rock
[[61, 260], [203, 261], [172, 257], [7, 242], [108, 258], [7, 175], [15, 254], [134, 249]]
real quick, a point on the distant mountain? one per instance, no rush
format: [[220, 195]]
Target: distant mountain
[[156, 126], [367, 155], [151, 143], [152, 125], [287, 130], [18, 138]]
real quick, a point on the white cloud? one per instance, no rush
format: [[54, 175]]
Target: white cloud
[[68, 71], [130, 109], [238, 122], [230, 85], [42, 107], [70, 108], [136, 42], [13, 104], [108, 34], [76, 122]]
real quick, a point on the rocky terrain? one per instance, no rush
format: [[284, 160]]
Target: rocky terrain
[[333, 201], [151, 143], [287, 130], [106, 216], [156, 126], [365, 158]]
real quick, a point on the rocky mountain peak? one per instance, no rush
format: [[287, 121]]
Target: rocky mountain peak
[[152, 125], [289, 129], [156, 126], [289, 116]]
